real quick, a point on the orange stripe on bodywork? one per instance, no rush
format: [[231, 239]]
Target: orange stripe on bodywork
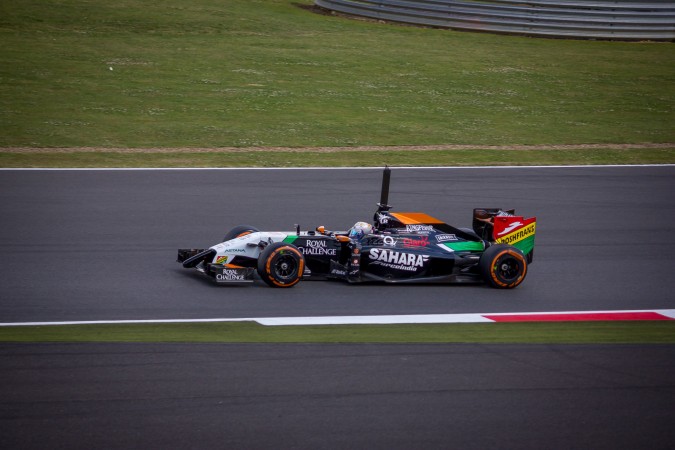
[[233, 266], [411, 218]]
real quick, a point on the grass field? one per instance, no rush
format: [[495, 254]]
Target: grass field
[[250, 332], [362, 158], [241, 73]]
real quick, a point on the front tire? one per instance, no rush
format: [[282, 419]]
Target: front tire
[[503, 266], [239, 231], [281, 265]]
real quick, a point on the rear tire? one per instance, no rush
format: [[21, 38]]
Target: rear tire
[[503, 266], [239, 231], [281, 265]]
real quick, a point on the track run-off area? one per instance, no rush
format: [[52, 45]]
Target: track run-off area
[[100, 245]]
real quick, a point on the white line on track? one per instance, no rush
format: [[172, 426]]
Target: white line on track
[[664, 314]]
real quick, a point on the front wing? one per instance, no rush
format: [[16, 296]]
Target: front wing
[[220, 273]]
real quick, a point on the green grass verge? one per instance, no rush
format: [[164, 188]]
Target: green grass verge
[[214, 73], [250, 332], [342, 159]]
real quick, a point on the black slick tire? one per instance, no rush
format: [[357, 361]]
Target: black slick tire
[[503, 266], [281, 265], [239, 231]]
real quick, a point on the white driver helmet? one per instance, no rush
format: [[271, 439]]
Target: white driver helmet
[[360, 229]]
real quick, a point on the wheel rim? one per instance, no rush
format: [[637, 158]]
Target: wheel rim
[[508, 268], [285, 267]]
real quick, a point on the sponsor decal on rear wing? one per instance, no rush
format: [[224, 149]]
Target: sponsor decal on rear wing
[[516, 231]]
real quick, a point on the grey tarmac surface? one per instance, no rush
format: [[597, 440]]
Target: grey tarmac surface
[[95, 245], [123, 396], [101, 245]]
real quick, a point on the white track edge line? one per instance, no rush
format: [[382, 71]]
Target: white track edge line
[[344, 320]]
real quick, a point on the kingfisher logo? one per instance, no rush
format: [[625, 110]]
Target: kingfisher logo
[[418, 228], [397, 260]]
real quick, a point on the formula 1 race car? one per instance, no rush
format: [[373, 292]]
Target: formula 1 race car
[[402, 247]]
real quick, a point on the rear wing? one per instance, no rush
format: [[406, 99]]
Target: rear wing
[[504, 227]]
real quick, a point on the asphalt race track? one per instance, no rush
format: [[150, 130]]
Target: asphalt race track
[[214, 396], [100, 245]]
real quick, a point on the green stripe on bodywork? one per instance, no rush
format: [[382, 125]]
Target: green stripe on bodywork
[[465, 246], [289, 239], [526, 245]]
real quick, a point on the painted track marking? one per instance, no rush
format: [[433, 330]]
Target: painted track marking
[[563, 316]]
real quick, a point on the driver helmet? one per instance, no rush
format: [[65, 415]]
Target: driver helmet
[[359, 230]]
